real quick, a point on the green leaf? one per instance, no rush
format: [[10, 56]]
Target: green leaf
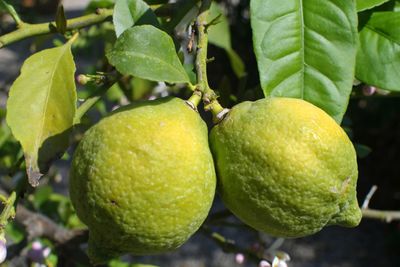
[[15, 232], [61, 21], [368, 4], [378, 57], [306, 49], [41, 107], [219, 35], [148, 53], [132, 12], [362, 150]]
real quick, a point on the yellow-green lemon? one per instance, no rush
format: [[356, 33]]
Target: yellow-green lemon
[[285, 167], [143, 179]]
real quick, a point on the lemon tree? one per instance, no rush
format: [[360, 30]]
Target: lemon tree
[[149, 141]]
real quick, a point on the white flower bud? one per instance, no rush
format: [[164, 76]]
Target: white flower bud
[[239, 258], [3, 251], [264, 263]]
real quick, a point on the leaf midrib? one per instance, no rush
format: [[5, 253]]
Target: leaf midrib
[[169, 65], [303, 48], [48, 91], [386, 36]]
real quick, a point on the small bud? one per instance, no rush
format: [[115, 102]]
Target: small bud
[[369, 90], [280, 259], [3, 251], [36, 245], [239, 258], [46, 252], [264, 263], [82, 79]]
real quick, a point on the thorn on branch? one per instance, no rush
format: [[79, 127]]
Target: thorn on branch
[[214, 21], [210, 59]]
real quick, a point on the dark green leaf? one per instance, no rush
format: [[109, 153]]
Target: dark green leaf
[[132, 12], [15, 232], [362, 150], [306, 49], [368, 4], [61, 21], [190, 70], [41, 107], [140, 88], [378, 57], [220, 35], [149, 53]]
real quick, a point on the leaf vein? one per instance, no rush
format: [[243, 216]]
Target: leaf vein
[[48, 92], [163, 62]]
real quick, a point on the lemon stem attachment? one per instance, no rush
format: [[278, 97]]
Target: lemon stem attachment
[[217, 111], [195, 99], [208, 95]]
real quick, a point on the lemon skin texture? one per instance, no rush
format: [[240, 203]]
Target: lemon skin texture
[[143, 179], [285, 167]]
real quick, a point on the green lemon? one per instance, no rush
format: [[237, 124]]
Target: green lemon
[[143, 179], [285, 167]]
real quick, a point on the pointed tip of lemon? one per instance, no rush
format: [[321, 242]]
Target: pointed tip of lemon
[[349, 217]]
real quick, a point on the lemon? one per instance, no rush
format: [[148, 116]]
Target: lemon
[[143, 179], [285, 167]]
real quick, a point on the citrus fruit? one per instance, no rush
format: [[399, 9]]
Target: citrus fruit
[[143, 179], [285, 167]]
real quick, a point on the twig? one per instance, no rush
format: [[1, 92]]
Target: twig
[[209, 96], [369, 196], [229, 246], [201, 57], [7, 213], [38, 225], [92, 100], [384, 215], [29, 30], [10, 10]]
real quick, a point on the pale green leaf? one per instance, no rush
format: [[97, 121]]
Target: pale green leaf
[[148, 53], [378, 57], [220, 35], [368, 4], [41, 107], [132, 12], [306, 49]]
